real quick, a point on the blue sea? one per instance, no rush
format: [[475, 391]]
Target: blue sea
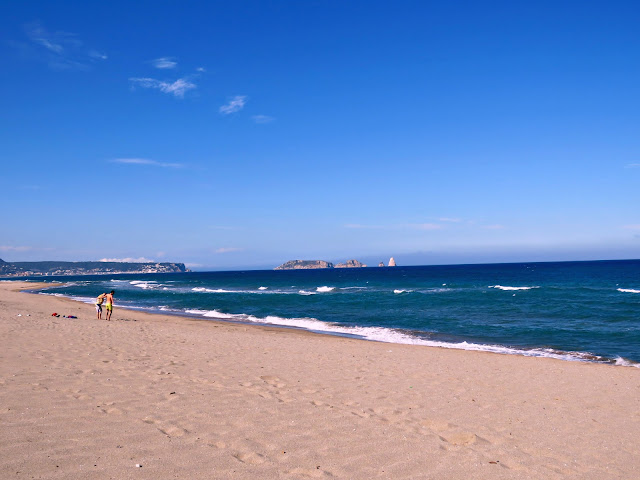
[[581, 311]]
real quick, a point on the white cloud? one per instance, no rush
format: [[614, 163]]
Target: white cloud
[[228, 250], [128, 260], [424, 226], [632, 227], [262, 119], [177, 88], [164, 63], [201, 69], [450, 220], [633, 165], [11, 248], [235, 105], [60, 50], [411, 226], [97, 55], [146, 161]]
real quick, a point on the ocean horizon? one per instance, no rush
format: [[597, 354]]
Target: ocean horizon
[[579, 311]]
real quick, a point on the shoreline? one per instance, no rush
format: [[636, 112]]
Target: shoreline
[[83, 398], [401, 338]]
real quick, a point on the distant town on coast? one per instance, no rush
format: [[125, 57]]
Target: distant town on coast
[[27, 269]]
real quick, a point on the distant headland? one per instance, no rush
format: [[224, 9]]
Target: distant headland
[[315, 264], [28, 269]]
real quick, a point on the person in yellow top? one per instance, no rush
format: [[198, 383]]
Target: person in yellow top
[[99, 301], [109, 304]]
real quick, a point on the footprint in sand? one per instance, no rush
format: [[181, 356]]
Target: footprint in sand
[[462, 438], [309, 473], [251, 458]]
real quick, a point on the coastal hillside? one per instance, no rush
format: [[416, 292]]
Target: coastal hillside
[[25, 269]]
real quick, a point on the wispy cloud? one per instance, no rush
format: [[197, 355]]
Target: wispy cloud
[[423, 226], [262, 119], [450, 220], [128, 260], [11, 248], [201, 69], [633, 165], [177, 88], [164, 63], [146, 161], [632, 227], [228, 250], [236, 104], [403, 226], [60, 50]]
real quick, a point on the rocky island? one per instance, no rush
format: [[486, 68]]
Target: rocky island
[[314, 264], [304, 265], [28, 269]]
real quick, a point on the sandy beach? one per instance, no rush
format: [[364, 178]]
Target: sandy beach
[[154, 397]]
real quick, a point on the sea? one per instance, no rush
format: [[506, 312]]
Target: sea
[[575, 311]]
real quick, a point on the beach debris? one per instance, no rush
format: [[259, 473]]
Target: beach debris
[[55, 314], [138, 465], [495, 463], [19, 314]]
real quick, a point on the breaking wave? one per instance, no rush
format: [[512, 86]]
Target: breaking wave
[[500, 287]]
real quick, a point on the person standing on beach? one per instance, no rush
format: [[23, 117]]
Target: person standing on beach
[[109, 305], [99, 301]]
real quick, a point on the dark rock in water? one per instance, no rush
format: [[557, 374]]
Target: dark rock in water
[[381, 264]]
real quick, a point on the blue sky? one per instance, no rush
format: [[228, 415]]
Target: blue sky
[[248, 133]]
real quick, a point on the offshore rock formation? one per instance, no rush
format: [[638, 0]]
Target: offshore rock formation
[[381, 264], [392, 262], [27, 269], [350, 264], [311, 264], [304, 264]]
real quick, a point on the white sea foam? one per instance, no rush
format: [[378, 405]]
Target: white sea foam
[[623, 362], [145, 284], [304, 292], [211, 290], [500, 287], [396, 291], [263, 288], [325, 289], [389, 335], [628, 290]]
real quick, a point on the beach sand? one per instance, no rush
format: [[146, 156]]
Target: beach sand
[[190, 399]]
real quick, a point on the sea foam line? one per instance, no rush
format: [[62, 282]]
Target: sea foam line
[[389, 335], [628, 290], [379, 334], [500, 287]]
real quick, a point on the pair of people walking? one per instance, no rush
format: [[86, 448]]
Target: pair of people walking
[[108, 305]]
